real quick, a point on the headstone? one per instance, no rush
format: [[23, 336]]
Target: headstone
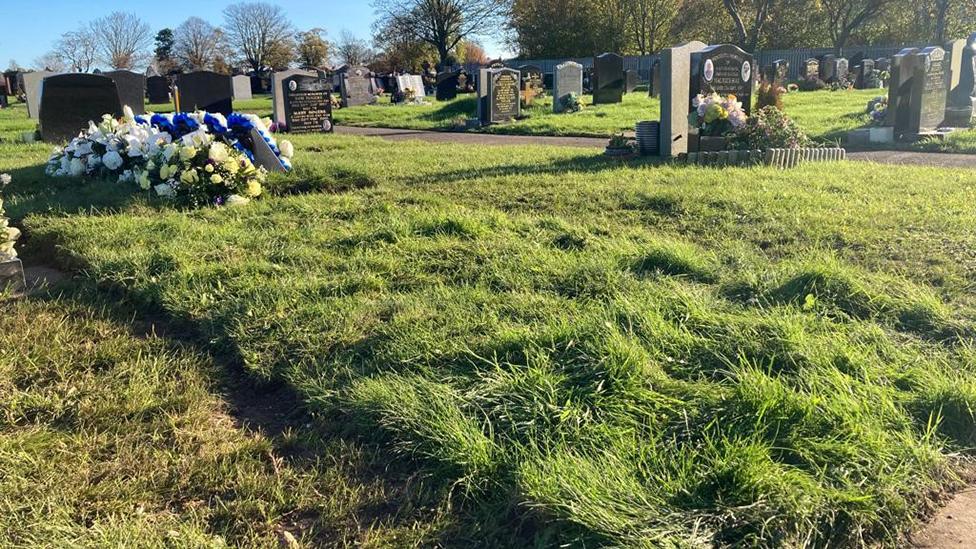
[[654, 83], [675, 91], [157, 88], [811, 69], [588, 80], [630, 81], [828, 68], [841, 68], [277, 93], [447, 85], [499, 96], [355, 87], [882, 63], [70, 101], [724, 69], [568, 79], [531, 85], [608, 79], [781, 71], [264, 157], [856, 59], [132, 89], [928, 103], [241, 85], [33, 82], [961, 108], [900, 89], [308, 104], [865, 75], [206, 91]]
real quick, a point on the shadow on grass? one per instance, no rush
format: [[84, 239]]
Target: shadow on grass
[[33, 192]]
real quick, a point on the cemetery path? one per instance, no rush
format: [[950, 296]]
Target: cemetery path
[[953, 526], [908, 158]]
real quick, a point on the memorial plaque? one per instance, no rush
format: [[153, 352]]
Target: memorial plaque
[[278, 94], [567, 80], [206, 91], [70, 101], [241, 85], [928, 103], [903, 67], [724, 69], [355, 87], [500, 102], [308, 104], [811, 69], [132, 89], [157, 88], [32, 84], [608, 79]]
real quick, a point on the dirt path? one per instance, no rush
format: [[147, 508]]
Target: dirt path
[[905, 158], [953, 527]]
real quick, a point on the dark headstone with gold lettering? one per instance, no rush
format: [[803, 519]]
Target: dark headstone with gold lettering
[[724, 69], [308, 104], [70, 101], [499, 98]]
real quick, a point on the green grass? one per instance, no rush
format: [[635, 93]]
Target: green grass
[[573, 350]]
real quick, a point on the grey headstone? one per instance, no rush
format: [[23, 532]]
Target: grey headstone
[[654, 84], [961, 108], [205, 90], [70, 101], [630, 81], [242, 87], [132, 89], [810, 69], [675, 91], [33, 81], [608, 76], [828, 68], [277, 95], [568, 79]]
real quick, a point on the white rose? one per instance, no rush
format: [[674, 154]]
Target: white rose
[[236, 200], [112, 160], [218, 153], [5, 178], [77, 167], [287, 149]]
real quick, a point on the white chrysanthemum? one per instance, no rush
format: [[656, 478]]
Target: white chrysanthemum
[[112, 160], [286, 148], [165, 190], [236, 200], [77, 167]]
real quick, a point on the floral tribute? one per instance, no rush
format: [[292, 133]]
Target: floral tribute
[[195, 158], [715, 115], [8, 234], [878, 110]]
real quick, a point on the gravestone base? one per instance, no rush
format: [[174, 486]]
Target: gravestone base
[[12, 277], [938, 135], [961, 117], [884, 135]]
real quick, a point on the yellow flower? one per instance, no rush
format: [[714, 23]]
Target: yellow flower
[[209, 168], [218, 152], [715, 112], [164, 172], [187, 153], [144, 180], [253, 188], [190, 177], [231, 167], [216, 179]]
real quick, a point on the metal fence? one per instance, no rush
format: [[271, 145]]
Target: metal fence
[[764, 58]]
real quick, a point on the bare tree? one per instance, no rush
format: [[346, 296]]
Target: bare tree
[[846, 16], [738, 10], [311, 48], [196, 43], [440, 23], [77, 50], [257, 31], [123, 40], [651, 20], [350, 50], [51, 61]]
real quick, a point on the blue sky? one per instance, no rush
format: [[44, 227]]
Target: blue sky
[[31, 26]]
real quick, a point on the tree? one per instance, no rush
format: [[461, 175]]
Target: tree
[[311, 49], [77, 50], [552, 28], [650, 22], [844, 17], [440, 23], [748, 34], [163, 59], [122, 38], [196, 43], [258, 31], [51, 61], [350, 50], [472, 52]]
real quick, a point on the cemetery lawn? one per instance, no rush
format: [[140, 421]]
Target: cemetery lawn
[[564, 349]]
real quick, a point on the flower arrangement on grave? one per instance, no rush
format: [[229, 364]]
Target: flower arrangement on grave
[[769, 128], [572, 103], [716, 116], [878, 110], [8, 234], [619, 145], [192, 158]]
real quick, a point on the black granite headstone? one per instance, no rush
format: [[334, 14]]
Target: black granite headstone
[[724, 69], [866, 78], [499, 95], [70, 101], [132, 89], [205, 90], [903, 66], [447, 85], [928, 103], [608, 79], [157, 88], [308, 104]]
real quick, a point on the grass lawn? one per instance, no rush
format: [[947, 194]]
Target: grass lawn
[[558, 348]]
